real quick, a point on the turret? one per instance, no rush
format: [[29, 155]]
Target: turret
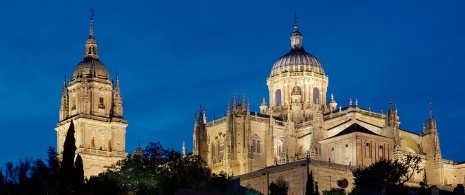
[[264, 107], [332, 103], [117, 105], [200, 136], [392, 123], [64, 106], [434, 164]]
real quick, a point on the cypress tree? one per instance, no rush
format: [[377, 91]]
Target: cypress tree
[[316, 189], [309, 190], [79, 176], [67, 164]]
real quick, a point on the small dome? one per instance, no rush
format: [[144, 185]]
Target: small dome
[[297, 60], [90, 68]]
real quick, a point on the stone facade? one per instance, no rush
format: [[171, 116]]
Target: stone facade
[[94, 104], [300, 122]]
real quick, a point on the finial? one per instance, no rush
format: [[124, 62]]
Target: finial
[[430, 110], [295, 19], [350, 101], [183, 149], [139, 142], [92, 14], [356, 102], [390, 104], [332, 96], [64, 79]]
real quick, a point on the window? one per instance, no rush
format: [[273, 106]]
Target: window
[[279, 148], [92, 142], [316, 96], [256, 145], [381, 152], [277, 97], [213, 153], [100, 102], [367, 150], [220, 157], [109, 145]]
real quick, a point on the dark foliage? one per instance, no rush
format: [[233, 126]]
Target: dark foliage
[[159, 171], [334, 191], [379, 176], [78, 183]]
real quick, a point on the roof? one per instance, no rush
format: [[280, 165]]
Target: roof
[[355, 128]]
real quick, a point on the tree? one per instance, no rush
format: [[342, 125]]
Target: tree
[[316, 189], [67, 170], [162, 172], [78, 176], [334, 191], [379, 176], [309, 187], [412, 164]]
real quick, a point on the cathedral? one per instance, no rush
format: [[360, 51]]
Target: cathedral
[[93, 102], [299, 122]]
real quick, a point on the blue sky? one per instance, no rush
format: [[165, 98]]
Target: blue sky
[[173, 56]]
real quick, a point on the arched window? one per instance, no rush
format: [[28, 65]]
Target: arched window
[[277, 97], [279, 148], [256, 145], [213, 152], [220, 156], [316, 96]]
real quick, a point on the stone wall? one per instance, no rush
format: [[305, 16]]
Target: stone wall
[[295, 175]]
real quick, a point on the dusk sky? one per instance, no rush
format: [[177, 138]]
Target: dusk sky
[[172, 56]]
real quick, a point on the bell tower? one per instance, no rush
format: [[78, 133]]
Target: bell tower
[[95, 106]]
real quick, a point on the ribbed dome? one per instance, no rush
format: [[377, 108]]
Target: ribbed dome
[[297, 60], [90, 68]]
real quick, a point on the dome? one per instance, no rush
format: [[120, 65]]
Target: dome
[[297, 60], [90, 68]]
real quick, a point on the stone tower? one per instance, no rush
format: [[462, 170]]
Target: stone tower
[[95, 106]]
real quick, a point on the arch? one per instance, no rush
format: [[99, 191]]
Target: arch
[[316, 95], [277, 97], [296, 90]]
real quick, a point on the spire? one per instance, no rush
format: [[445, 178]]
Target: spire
[[91, 29], [390, 104], [117, 106], [183, 149], [91, 43], [228, 109], [431, 110], [296, 37], [332, 103], [64, 108], [264, 102]]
